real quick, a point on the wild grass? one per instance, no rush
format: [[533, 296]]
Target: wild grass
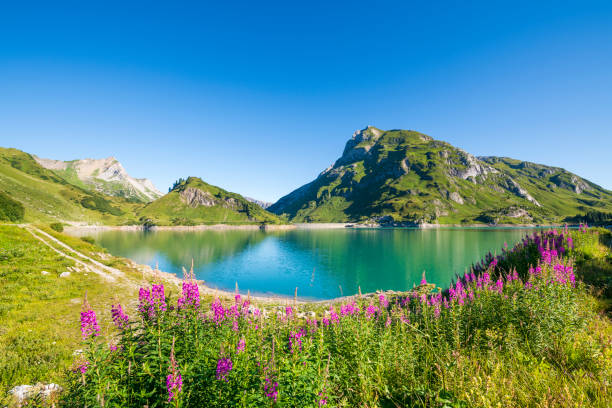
[[39, 310], [510, 335]]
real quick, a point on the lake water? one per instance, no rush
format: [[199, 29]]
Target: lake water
[[317, 262]]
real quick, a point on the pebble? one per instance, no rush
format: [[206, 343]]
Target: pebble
[[44, 272], [64, 274]]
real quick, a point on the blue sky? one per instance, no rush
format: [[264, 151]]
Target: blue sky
[[259, 97]]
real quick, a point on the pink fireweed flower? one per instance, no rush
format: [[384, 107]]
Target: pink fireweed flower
[[493, 263], [437, 311], [237, 298], [218, 311], [388, 322], [235, 326], [333, 316], [144, 302], [486, 278], [322, 398], [81, 367], [241, 346], [382, 300], [288, 311], [191, 296], [120, 319], [349, 309], [224, 366], [271, 388], [371, 311], [112, 347], [326, 322], [158, 298], [295, 340], [89, 323], [174, 380], [528, 285], [499, 285]]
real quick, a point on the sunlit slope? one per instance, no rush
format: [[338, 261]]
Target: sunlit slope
[[48, 197], [194, 202], [406, 176]]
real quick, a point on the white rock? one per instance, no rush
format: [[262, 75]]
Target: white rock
[[64, 274], [44, 272], [21, 392]]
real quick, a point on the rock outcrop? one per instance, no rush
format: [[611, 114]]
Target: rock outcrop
[[106, 176]]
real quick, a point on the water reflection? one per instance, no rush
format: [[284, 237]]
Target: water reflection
[[318, 262]]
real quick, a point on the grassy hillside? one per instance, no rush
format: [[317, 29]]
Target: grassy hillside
[[406, 176], [48, 197], [38, 327], [193, 202]]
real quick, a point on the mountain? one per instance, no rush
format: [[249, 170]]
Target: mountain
[[106, 176], [403, 176], [46, 196], [193, 202], [262, 204]]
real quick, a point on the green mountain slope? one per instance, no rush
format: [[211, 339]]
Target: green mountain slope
[[46, 196], [407, 177], [193, 202]]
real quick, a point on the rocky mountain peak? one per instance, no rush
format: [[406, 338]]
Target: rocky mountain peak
[[107, 176]]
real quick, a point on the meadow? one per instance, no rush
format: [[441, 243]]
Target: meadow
[[521, 329]]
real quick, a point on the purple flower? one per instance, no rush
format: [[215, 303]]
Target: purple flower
[[322, 398], [333, 316], [158, 297], [82, 367], [218, 311], [349, 309], [499, 285], [120, 319], [241, 346], [191, 295], [271, 388], [89, 324], [288, 311], [371, 311], [382, 300], [295, 340], [174, 380], [151, 301], [224, 366]]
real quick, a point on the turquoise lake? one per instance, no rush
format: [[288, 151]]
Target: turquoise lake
[[318, 262]]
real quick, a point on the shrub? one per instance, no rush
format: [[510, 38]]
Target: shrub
[[57, 226], [98, 203], [89, 240], [10, 210]]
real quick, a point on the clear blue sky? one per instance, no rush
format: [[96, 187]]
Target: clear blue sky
[[259, 97]]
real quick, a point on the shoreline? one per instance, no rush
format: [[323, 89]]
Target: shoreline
[[297, 226]]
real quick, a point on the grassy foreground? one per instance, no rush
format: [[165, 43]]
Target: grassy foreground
[[39, 309], [522, 330]]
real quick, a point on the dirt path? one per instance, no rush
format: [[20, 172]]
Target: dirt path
[[106, 272]]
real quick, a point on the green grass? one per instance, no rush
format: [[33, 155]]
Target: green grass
[[39, 325], [47, 197]]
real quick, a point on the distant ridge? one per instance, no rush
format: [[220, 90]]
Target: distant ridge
[[106, 176], [262, 204]]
